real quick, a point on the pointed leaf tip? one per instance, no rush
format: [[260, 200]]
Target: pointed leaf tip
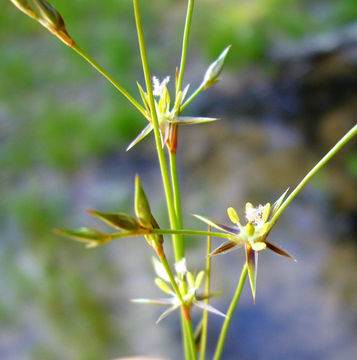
[[117, 220]]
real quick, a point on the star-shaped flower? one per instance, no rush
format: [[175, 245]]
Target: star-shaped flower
[[253, 235], [188, 285], [166, 116]]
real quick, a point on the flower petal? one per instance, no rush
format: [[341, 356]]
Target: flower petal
[[141, 136], [252, 262], [222, 227], [154, 301], [279, 251], [224, 248], [209, 308], [166, 313], [188, 120]]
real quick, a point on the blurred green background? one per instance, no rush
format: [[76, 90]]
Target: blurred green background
[[63, 134]]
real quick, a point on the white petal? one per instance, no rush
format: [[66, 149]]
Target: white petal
[[209, 308]]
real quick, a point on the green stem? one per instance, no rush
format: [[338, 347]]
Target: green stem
[[190, 232], [177, 202], [203, 342], [155, 121], [343, 141], [187, 336], [230, 313], [103, 72], [186, 34]]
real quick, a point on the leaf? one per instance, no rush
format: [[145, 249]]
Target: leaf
[[217, 225], [278, 250], [117, 220], [252, 262], [224, 248], [188, 120], [87, 235], [141, 136]]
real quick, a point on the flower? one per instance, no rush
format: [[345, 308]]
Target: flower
[[253, 235], [166, 116], [188, 285]]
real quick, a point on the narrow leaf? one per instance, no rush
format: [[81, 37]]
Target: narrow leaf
[[144, 97], [117, 220], [141, 136], [252, 262], [278, 250]]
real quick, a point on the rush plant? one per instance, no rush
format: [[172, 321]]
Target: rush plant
[[162, 111]]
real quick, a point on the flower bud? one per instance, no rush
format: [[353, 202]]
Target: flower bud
[[250, 229], [24, 6], [233, 215], [142, 207], [212, 73], [163, 286], [49, 14]]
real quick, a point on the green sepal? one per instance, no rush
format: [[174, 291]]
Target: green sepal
[[91, 237], [24, 6], [118, 220], [49, 14]]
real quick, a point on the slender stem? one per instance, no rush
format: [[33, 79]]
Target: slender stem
[[185, 44], [155, 121], [96, 66], [187, 336], [177, 202], [193, 96], [343, 141], [190, 232], [231, 310], [172, 279], [207, 291], [191, 337]]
